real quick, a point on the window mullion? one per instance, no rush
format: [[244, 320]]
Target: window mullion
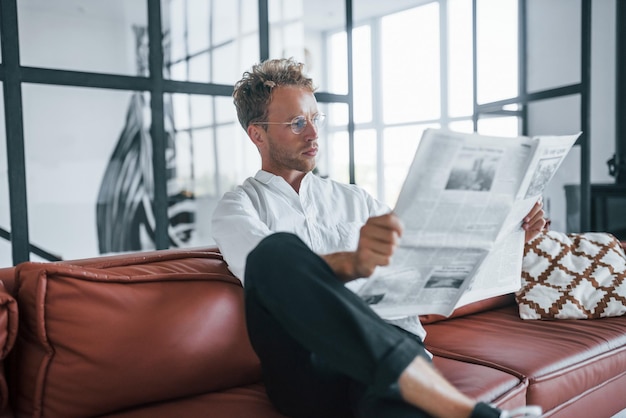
[[377, 100], [443, 61]]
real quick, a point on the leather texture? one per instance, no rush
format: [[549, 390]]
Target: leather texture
[[8, 334], [162, 334], [561, 360], [103, 338]]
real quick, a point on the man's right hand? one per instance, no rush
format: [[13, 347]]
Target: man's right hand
[[378, 240]]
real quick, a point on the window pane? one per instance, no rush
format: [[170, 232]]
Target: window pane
[[460, 74], [333, 157], [181, 110], [299, 29], [362, 47], [198, 15], [337, 114], [204, 176], [212, 156], [215, 37], [365, 152], [174, 23], [466, 126], [201, 108], [338, 149], [249, 48], [93, 36], [559, 116], [6, 255], [237, 157], [223, 74], [199, 68], [249, 15], [410, 70], [185, 170], [499, 126], [338, 63], [88, 170], [553, 47], [225, 112], [496, 49], [177, 71], [400, 144]]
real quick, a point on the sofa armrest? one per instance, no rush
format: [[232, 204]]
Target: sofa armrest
[[123, 332]]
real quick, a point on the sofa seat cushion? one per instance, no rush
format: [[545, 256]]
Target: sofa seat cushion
[[240, 402], [482, 382], [561, 360], [111, 335]]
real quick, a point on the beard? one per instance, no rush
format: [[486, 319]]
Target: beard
[[292, 160]]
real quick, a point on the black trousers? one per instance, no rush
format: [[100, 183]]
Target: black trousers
[[324, 353]]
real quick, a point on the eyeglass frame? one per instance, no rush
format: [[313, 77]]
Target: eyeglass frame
[[321, 119]]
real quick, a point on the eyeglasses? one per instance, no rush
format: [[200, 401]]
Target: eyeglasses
[[299, 123]]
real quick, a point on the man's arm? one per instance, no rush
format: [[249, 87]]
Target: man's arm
[[378, 240], [237, 229]]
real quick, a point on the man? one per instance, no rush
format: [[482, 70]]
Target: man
[[295, 240]]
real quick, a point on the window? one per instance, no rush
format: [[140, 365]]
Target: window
[[413, 70], [497, 63], [80, 36], [79, 166], [210, 41]]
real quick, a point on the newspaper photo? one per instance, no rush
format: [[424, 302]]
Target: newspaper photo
[[462, 205]]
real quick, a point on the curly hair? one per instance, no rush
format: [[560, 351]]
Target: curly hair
[[253, 93]]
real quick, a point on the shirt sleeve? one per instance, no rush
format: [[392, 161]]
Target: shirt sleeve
[[376, 207], [237, 229]]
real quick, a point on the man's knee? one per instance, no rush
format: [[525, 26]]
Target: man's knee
[[274, 251]]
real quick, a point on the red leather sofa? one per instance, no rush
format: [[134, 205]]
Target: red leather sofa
[[162, 334]]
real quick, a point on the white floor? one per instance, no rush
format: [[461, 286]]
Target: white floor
[[620, 414]]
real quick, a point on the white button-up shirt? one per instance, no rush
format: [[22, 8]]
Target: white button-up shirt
[[326, 215]]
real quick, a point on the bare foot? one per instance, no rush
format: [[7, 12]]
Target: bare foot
[[421, 385]]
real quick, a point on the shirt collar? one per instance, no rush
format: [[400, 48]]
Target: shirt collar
[[266, 177]]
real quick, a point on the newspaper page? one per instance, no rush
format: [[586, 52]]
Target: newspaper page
[[462, 206]]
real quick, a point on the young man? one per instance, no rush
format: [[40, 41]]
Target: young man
[[299, 243]]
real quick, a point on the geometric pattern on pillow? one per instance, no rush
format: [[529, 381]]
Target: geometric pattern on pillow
[[572, 276]]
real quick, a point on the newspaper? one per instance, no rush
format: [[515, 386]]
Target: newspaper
[[462, 205]]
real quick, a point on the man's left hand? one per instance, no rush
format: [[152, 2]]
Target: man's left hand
[[534, 222]]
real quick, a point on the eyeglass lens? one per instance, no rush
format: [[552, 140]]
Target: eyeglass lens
[[299, 123]]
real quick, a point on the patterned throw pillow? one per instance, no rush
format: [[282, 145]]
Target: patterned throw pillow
[[572, 276]]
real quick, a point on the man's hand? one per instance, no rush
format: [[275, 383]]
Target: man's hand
[[378, 240], [534, 222]]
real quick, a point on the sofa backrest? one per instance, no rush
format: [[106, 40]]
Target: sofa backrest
[[7, 277], [8, 334], [112, 333]]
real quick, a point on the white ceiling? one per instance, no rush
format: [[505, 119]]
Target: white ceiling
[[330, 14]]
